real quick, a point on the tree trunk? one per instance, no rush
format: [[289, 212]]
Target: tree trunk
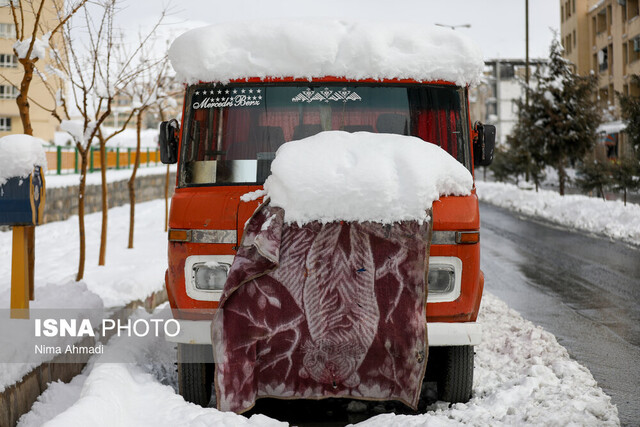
[[22, 99], [625, 196], [562, 176], [81, 192], [104, 203], [132, 181], [166, 200], [22, 102]]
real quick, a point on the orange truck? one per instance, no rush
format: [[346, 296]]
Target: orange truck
[[228, 137]]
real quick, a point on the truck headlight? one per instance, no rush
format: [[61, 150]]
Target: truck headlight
[[210, 275], [441, 278]]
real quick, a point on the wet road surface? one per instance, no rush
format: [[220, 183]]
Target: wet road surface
[[583, 289]]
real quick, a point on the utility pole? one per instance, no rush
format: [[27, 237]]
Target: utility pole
[[526, 29], [526, 74]]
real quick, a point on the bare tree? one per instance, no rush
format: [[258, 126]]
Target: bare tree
[[96, 75], [134, 59], [32, 43], [146, 91]]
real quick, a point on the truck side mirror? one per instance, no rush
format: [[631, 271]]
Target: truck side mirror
[[484, 144], [168, 140]]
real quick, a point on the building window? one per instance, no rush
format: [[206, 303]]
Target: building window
[[5, 124], [603, 60], [8, 92], [574, 38], [7, 31], [8, 60], [632, 9], [634, 49], [634, 88], [610, 59], [625, 58], [601, 21], [573, 5], [603, 97], [610, 93]]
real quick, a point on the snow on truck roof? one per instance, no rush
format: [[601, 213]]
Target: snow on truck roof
[[320, 48]]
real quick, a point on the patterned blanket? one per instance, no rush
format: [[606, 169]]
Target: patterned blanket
[[323, 310]]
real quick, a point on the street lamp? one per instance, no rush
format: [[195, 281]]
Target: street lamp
[[453, 27]]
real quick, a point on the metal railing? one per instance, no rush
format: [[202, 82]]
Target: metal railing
[[63, 160]]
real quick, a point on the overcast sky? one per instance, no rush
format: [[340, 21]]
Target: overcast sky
[[498, 26]]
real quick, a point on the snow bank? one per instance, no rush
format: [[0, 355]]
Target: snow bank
[[129, 275], [317, 48], [19, 154], [362, 176], [129, 394], [594, 215], [522, 377], [16, 336]]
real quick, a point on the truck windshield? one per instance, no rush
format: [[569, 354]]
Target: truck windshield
[[232, 132]]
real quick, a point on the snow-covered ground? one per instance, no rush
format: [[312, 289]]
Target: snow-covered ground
[[523, 376], [594, 215], [55, 181], [129, 274]]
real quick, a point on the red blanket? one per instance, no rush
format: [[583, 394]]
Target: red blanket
[[318, 311]]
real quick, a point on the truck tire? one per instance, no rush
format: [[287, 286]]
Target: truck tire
[[455, 381], [195, 375]]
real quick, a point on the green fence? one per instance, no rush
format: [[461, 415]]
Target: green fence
[[64, 160]]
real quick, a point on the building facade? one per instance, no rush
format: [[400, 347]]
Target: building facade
[[603, 37], [11, 72], [494, 101]]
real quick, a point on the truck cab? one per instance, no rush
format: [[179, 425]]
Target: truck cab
[[229, 135]]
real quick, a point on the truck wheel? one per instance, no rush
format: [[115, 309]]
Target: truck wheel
[[455, 381], [195, 377]]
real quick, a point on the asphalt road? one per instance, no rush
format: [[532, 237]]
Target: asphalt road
[[583, 289]]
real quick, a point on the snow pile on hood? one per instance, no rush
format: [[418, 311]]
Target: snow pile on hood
[[362, 176], [318, 48], [19, 154], [611, 218]]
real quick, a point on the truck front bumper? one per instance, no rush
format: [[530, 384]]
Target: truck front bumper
[[440, 334]]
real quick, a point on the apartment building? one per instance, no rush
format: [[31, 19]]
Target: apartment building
[[11, 72], [603, 37], [494, 100]]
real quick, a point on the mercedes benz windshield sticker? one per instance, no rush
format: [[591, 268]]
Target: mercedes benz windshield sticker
[[218, 98], [326, 95]]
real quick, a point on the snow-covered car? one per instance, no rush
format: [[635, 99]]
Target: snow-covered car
[[252, 88]]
